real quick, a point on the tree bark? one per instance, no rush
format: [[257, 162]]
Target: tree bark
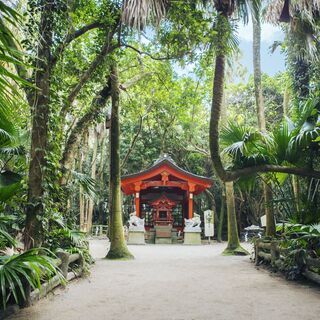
[[118, 247], [271, 228], [39, 132], [257, 72], [233, 246], [296, 193], [270, 221], [217, 102], [221, 213], [93, 176], [81, 198], [102, 173]]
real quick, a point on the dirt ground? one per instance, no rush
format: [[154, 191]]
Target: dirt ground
[[177, 282]]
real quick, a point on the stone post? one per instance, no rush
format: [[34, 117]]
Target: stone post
[[275, 254], [64, 257], [256, 251]]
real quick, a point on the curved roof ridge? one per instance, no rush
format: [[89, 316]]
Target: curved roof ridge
[[165, 158]]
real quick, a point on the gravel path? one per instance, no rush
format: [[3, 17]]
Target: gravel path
[[177, 282]]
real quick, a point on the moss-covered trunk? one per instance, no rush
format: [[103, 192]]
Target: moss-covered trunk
[[118, 247], [233, 237], [40, 110]]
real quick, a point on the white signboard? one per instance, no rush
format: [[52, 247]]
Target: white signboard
[[208, 223], [263, 220]]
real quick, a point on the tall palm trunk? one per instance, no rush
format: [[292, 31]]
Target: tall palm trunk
[[257, 72], [271, 228], [118, 247], [39, 131], [221, 213], [217, 101], [233, 239]]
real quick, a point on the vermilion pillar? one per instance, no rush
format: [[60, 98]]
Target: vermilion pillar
[[137, 203], [191, 189], [190, 205]]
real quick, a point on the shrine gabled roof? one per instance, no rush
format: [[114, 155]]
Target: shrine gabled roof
[[166, 163]]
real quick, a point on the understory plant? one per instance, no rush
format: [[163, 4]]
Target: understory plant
[[301, 242], [29, 268], [20, 270], [72, 241]]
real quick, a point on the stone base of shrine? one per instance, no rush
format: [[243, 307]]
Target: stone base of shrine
[[163, 234], [136, 237], [192, 238], [163, 241]]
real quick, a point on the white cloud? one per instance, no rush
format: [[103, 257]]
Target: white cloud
[[269, 32]]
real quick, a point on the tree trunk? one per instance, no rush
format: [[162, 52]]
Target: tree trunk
[[233, 237], [118, 247], [296, 193], [286, 100], [217, 102], [221, 213], [102, 176], [93, 176], [39, 131], [81, 198], [257, 72], [271, 229], [270, 221], [217, 99]]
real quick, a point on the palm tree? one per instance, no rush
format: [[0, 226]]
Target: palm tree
[[256, 22], [302, 32]]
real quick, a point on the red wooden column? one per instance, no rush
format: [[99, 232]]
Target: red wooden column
[[137, 198], [137, 203], [190, 199]]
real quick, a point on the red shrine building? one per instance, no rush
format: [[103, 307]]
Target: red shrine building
[[164, 193]]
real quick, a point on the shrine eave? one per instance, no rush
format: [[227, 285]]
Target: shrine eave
[[171, 168]]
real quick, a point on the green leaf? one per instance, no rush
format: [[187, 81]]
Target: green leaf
[[9, 184]]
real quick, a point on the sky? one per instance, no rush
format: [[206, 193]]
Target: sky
[[271, 63]]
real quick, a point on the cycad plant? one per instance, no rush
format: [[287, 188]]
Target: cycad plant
[[28, 268], [19, 271], [286, 144], [289, 144]]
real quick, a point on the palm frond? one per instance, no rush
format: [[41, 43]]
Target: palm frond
[[9, 184], [88, 184], [137, 13], [7, 239], [29, 267], [281, 143]]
